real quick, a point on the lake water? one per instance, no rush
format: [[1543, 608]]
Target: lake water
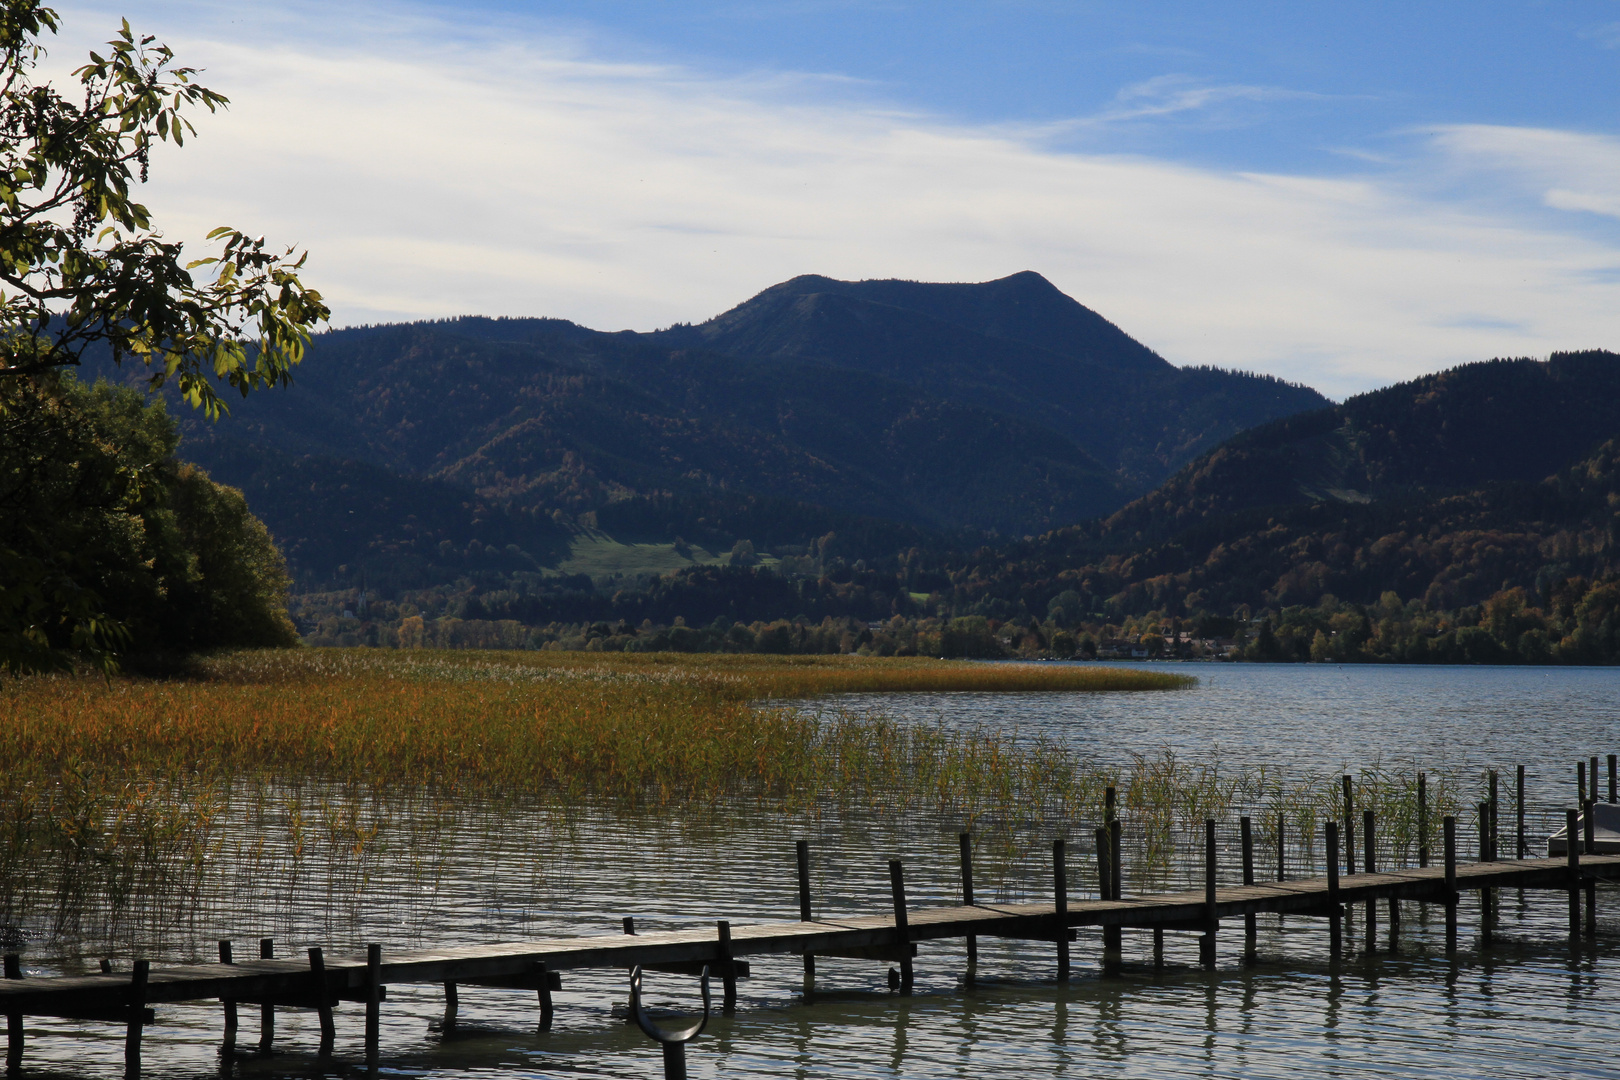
[[1528, 1006]]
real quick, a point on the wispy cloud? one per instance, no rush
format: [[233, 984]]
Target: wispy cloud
[[437, 170]]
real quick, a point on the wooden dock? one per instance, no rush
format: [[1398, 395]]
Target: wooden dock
[[319, 982]]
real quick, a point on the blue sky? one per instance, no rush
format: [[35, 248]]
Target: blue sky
[[1342, 194]]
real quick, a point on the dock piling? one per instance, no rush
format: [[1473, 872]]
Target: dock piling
[[323, 999], [1518, 810], [1580, 782], [728, 968], [1349, 826], [1335, 908], [1486, 914], [1614, 778], [452, 1006], [1060, 904], [1282, 848], [373, 1002], [965, 842], [14, 1021], [1206, 946], [137, 1010], [801, 854], [1593, 797], [1573, 854], [547, 1011], [1246, 832], [1591, 883], [1423, 819], [1369, 849], [1449, 826], [1116, 883], [897, 887], [229, 1004], [267, 1011]]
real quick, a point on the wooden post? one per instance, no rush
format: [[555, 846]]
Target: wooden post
[[1060, 906], [1206, 947], [1369, 848], [1282, 848], [1449, 825], [373, 1002], [1486, 916], [1113, 936], [137, 1017], [1105, 891], [801, 854], [1580, 782], [323, 999], [229, 1004], [629, 924], [1335, 911], [267, 1011], [1593, 797], [1349, 827], [897, 887], [1110, 798], [452, 1006], [1591, 885], [546, 1009], [14, 1021], [1518, 810], [1423, 819], [1246, 833], [1572, 847], [1614, 778], [1493, 818], [1158, 947], [965, 841], [728, 969]]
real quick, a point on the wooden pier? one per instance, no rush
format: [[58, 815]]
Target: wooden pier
[[319, 982]]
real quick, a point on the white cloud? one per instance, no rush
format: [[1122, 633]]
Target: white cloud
[[436, 170]]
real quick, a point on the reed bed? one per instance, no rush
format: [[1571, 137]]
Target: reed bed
[[132, 808]]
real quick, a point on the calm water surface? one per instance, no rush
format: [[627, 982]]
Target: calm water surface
[[1529, 1006]]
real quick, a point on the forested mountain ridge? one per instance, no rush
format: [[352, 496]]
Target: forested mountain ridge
[[928, 423], [1016, 345], [1447, 489]]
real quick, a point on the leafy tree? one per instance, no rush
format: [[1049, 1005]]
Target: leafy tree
[[83, 271]]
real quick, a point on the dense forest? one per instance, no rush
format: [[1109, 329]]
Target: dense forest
[[1440, 520]]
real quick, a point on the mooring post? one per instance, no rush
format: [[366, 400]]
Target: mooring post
[[229, 1004], [1423, 818], [1282, 848], [1572, 848], [1349, 826], [1110, 797], [1250, 929], [137, 1017], [1495, 819], [14, 1021], [267, 1011], [1060, 906], [965, 842], [801, 854], [1593, 797], [546, 1009], [1518, 810], [1614, 778], [1113, 936], [1369, 849], [629, 924], [728, 967], [1486, 915], [1335, 909], [1206, 947], [452, 1006], [1449, 825], [1591, 884], [323, 999], [1580, 782], [373, 1002], [902, 929]]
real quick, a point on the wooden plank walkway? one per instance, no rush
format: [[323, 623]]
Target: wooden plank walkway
[[318, 982]]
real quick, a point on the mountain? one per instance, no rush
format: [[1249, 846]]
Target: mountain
[[892, 414], [1448, 488], [1016, 345]]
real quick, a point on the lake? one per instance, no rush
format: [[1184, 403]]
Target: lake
[[1528, 1006]]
